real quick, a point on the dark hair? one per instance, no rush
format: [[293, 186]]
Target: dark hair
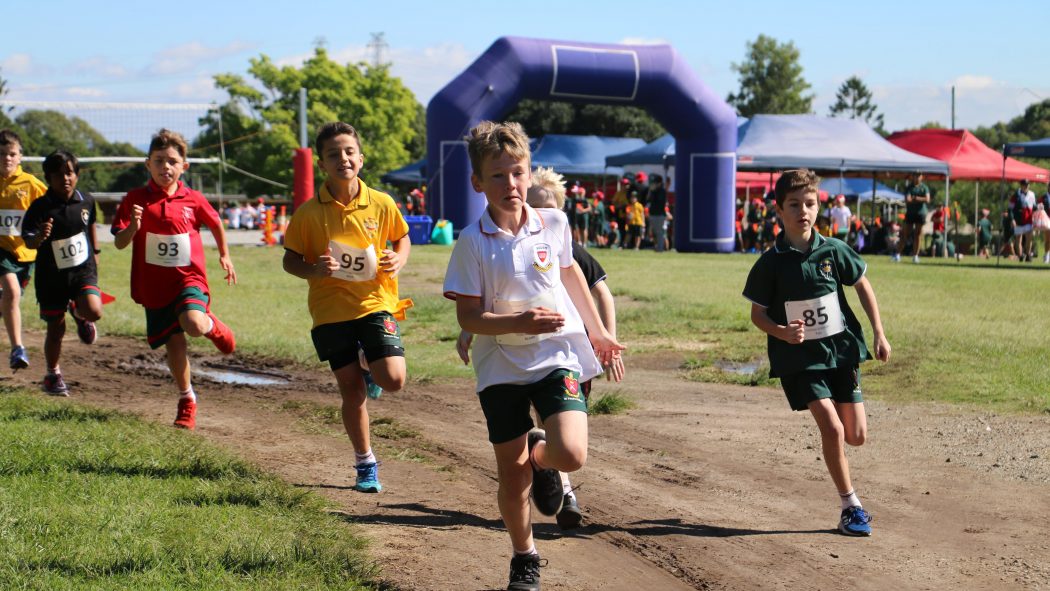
[[167, 138], [57, 160], [330, 130], [793, 180], [9, 137]]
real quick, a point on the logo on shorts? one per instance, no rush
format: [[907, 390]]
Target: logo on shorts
[[389, 326], [825, 269], [371, 225], [542, 260], [187, 213], [84, 215], [572, 386]]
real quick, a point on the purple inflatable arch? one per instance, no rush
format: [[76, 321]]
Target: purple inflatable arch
[[654, 77]]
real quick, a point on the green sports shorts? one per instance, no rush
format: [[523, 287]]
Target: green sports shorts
[[841, 385], [506, 406]]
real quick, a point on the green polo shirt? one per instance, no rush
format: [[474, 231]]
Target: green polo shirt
[[783, 274], [916, 208]]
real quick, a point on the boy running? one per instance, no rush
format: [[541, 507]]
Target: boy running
[[17, 190], [338, 243], [815, 341], [162, 223], [512, 278], [61, 226]]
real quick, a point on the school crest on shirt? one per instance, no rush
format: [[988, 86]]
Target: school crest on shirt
[[371, 225], [572, 386], [825, 268], [390, 326], [187, 213], [84, 216], [542, 257]]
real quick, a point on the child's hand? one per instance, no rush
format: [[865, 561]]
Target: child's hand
[[391, 262], [607, 348], [882, 348], [227, 265], [45, 229], [539, 321], [136, 218], [326, 264], [794, 332], [463, 346], [614, 370]]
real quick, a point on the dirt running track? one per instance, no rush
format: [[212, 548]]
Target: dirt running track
[[701, 487]]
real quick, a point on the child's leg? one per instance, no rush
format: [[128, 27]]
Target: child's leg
[[515, 482], [854, 422], [56, 329], [832, 436], [89, 307], [195, 323], [389, 372], [354, 412], [178, 361], [566, 447], [9, 307]]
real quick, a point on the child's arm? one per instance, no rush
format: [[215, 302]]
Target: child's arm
[[463, 346], [603, 301], [396, 257], [794, 332], [295, 264], [473, 318], [123, 238], [604, 344], [219, 233], [37, 238], [871, 308], [94, 242]]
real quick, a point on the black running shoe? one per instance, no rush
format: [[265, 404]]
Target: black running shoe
[[570, 516], [525, 572], [546, 484]]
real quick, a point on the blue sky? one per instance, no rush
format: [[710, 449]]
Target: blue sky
[[908, 53]]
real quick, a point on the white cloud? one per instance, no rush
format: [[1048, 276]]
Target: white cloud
[[644, 41], [84, 92], [20, 64], [182, 58], [97, 66], [199, 90]]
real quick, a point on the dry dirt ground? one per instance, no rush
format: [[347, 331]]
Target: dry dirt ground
[[700, 487]]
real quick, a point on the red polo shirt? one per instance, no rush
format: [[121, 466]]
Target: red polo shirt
[[161, 267]]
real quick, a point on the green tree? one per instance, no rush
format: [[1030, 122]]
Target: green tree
[[543, 117], [260, 120], [854, 100], [771, 80]]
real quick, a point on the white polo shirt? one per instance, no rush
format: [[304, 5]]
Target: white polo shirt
[[502, 270]]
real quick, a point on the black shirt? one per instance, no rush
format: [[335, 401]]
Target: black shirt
[[592, 270], [657, 200], [69, 219]]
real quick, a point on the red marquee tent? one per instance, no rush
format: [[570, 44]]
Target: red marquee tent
[[967, 156]]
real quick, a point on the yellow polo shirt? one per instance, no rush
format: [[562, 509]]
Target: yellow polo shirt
[[16, 193], [369, 221]]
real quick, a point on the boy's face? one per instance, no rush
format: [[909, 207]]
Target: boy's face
[[166, 166], [341, 158], [799, 211], [505, 181], [10, 158], [64, 180]]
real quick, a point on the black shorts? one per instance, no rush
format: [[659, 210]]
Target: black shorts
[[55, 289], [377, 334], [840, 384], [915, 218], [506, 406]]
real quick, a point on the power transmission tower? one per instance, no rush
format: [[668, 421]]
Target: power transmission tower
[[377, 46]]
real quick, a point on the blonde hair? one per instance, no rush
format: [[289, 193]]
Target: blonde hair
[[547, 185], [490, 140]]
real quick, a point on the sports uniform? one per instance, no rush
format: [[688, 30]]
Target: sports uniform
[[810, 285], [915, 211], [17, 192], [65, 267]]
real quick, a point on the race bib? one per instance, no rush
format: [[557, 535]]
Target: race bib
[[821, 316], [70, 252], [355, 264], [517, 339], [11, 222], [168, 250]]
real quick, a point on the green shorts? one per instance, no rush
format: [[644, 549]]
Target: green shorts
[[506, 406], [378, 334], [840, 384], [161, 323], [9, 264]]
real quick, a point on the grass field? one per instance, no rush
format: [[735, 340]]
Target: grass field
[[967, 333], [92, 499]]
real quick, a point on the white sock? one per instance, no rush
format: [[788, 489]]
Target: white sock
[[566, 486], [531, 550], [54, 372], [849, 499], [189, 395], [211, 325], [365, 458]]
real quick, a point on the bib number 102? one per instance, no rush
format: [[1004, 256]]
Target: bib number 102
[[73, 249], [352, 263], [815, 317]]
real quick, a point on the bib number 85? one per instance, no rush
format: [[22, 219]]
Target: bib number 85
[[815, 317]]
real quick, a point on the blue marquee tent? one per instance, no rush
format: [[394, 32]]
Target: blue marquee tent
[[411, 174], [581, 154], [1033, 149], [658, 151], [859, 189]]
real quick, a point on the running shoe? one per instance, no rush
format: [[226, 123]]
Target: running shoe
[[373, 389], [855, 522], [915, 259], [368, 478], [546, 484], [55, 385], [221, 336], [19, 358], [570, 516], [525, 572], [186, 417]]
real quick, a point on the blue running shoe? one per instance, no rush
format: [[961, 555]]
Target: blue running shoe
[[373, 389], [368, 478], [19, 358], [854, 522]]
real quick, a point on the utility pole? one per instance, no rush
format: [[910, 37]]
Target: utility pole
[[953, 107], [377, 46]]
